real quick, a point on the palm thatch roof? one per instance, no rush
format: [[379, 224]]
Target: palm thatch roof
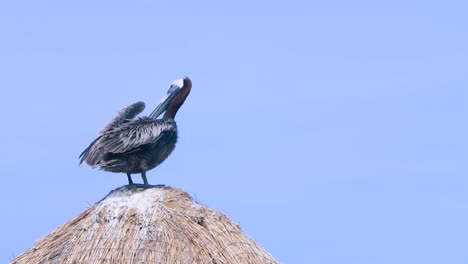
[[147, 225]]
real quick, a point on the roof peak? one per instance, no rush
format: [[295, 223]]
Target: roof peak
[[152, 225]]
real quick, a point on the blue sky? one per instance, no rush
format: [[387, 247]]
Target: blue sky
[[333, 132]]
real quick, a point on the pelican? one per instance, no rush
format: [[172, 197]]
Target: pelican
[[136, 145]]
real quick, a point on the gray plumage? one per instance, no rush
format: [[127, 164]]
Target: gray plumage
[[131, 145]]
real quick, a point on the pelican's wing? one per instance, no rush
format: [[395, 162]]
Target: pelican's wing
[[128, 112], [134, 133], [94, 152]]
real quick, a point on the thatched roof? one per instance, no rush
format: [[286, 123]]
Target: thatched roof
[[147, 225]]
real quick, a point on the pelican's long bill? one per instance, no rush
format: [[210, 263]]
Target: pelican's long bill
[[171, 92]]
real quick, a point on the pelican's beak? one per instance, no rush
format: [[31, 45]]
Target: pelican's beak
[[173, 90]]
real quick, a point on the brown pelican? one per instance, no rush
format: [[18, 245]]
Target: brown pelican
[[136, 145]]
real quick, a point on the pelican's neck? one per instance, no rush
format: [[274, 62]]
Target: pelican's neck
[[171, 111], [178, 100]]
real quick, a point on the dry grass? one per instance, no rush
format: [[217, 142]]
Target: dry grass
[[147, 225]]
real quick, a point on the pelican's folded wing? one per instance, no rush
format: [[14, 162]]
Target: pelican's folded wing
[[134, 133], [95, 151]]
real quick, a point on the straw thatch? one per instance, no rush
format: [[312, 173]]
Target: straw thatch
[[147, 225]]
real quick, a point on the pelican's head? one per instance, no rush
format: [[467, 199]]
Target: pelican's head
[[173, 99]]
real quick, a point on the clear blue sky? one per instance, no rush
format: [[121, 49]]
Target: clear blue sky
[[332, 131]]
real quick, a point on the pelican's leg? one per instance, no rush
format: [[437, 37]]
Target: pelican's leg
[[143, 176], [130, 182]]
